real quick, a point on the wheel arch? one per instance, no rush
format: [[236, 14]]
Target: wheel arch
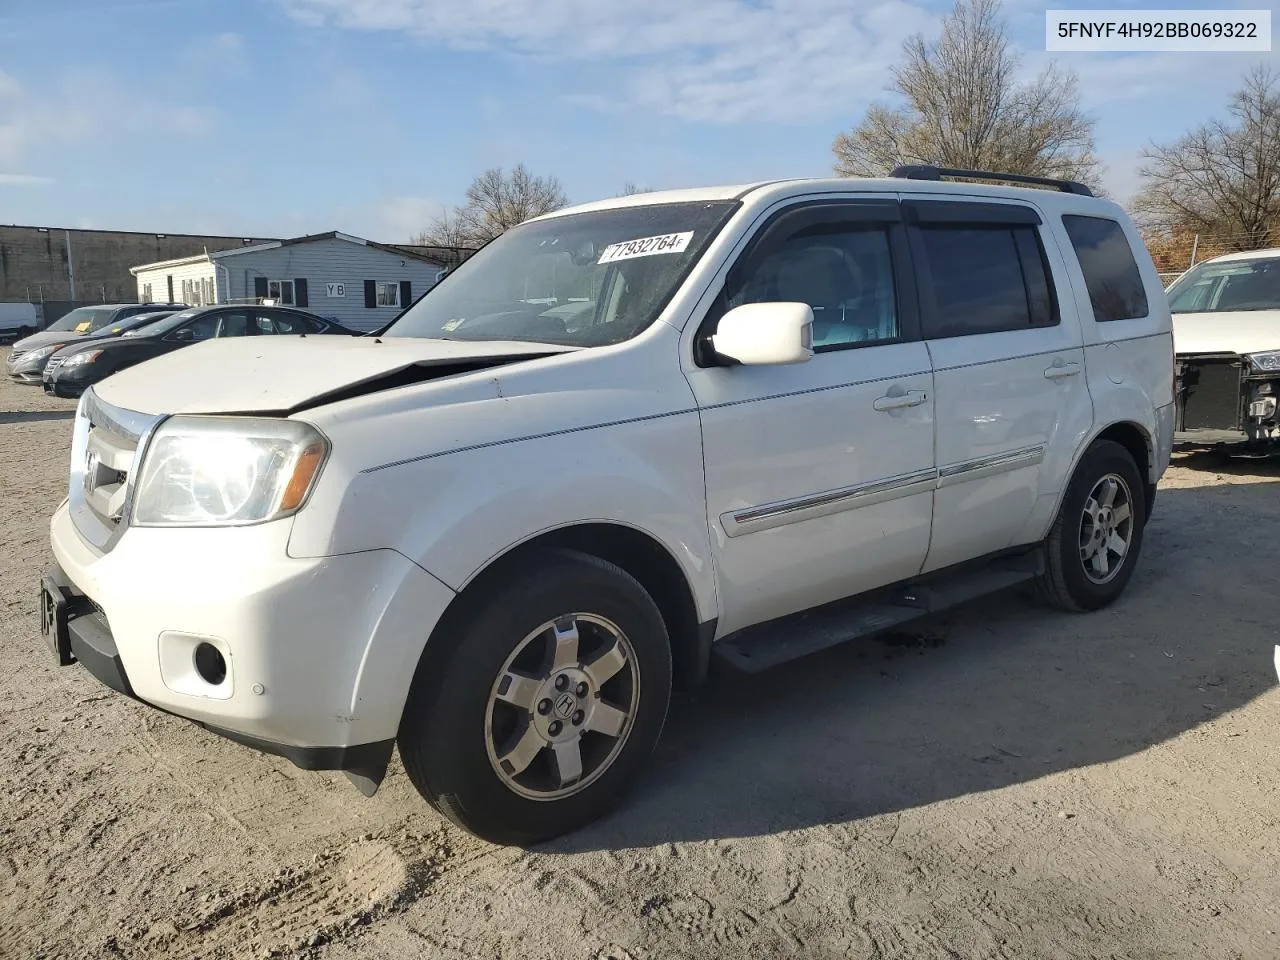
[[1141, 446], [641, 555]]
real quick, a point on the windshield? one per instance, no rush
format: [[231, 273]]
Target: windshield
[[581, 280], [84, 319], [1233, 285], [136, 322], [163, 325]]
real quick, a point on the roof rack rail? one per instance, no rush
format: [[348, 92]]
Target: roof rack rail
[[924, 172]]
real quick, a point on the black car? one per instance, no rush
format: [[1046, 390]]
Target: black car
[[135, 322], [82, 365], [29, 355]]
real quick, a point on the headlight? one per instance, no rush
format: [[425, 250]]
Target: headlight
[[1265, 361], [226, 471], [76, 359], [44, 351]]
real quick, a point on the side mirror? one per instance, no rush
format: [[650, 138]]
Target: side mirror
[[186, 333], [766, 333]]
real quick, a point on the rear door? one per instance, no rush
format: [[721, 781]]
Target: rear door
[[1008, 367]]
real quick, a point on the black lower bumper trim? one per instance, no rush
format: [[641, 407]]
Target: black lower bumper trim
[[95, 648], [92, 644], [367, 761]]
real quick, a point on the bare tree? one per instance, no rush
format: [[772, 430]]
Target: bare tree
[[964, 107], [630, 188], [1222, 178], [446, 230], [496, 202]]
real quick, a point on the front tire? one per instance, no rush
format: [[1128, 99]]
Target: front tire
[[1093, 547], [547, 703]]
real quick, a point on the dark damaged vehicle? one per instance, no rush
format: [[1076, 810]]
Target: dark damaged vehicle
[[1226, 331]]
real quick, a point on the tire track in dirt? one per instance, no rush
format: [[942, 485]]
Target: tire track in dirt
[[298, 910]]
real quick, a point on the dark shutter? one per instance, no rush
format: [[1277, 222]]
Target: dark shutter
[[406, 293], [169, 278], [370, 294], [260, 287], [300, 292]]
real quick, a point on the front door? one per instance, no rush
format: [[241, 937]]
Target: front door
[[820, 474], [1008, 372]]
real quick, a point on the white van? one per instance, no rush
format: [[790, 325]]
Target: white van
[[746, 422], [18, 320]]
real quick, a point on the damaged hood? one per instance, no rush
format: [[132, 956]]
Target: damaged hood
[[1241, 332], [274, 374]]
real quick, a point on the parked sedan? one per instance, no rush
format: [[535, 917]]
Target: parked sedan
[[27, 360], [135, 322], [83, 365]]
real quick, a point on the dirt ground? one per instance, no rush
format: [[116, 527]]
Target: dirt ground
[[1008, 783]]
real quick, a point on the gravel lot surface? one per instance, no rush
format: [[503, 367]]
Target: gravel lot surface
[[1008, 782]]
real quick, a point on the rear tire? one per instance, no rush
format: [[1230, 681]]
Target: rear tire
[[546, 704], [1104, 509]]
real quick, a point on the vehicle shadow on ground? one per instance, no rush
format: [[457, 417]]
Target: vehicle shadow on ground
[[35, 416], [999, 693], [1229, 464]]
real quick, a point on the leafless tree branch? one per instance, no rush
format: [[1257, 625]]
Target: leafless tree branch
[[496, 202], [1222, 178], [963, 107]]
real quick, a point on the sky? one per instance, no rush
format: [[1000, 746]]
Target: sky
[[285, 117]]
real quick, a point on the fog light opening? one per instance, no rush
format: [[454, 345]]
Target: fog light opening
[[210, 664]]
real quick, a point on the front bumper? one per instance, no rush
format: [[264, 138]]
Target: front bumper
[[319, 653], [1221, 400], [25, 370], [58, 385]]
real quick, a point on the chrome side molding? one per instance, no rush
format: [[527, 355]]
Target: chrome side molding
[[779, 513]]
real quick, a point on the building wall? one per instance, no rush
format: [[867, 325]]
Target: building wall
[[199, 273], [34, 261], [322, 262]]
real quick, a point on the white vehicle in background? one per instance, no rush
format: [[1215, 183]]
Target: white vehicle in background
[[1226, 331], [748, 422], [18, 320]]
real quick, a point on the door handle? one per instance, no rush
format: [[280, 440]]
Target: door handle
[[1060, 371], [896, 401]]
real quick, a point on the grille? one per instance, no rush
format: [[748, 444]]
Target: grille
[[1211, 398], [103, 448], [53, 364]]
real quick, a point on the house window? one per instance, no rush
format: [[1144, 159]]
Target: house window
[[388, 294], [281, 291], [197, 293], [146, 293]]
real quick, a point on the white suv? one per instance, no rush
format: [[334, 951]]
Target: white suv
[[749, 421]]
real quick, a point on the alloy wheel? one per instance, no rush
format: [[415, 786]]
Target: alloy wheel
[[562, 707], [1106, 528]]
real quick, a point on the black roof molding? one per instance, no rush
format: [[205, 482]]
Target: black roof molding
[[924, 172]]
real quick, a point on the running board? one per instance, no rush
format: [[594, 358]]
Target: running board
[[766, 645]]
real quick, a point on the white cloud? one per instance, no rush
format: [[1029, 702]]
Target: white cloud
[[1120, 177], [222, 54], [400, 219], [82, 105], [23, 180], [700, 60]]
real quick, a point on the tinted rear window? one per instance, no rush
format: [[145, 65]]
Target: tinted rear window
[[985, 280], [1110, 272]]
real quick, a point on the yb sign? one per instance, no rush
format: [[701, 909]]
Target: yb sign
[[335, 289]]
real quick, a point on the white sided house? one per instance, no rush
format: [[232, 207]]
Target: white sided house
[[358, 283]]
